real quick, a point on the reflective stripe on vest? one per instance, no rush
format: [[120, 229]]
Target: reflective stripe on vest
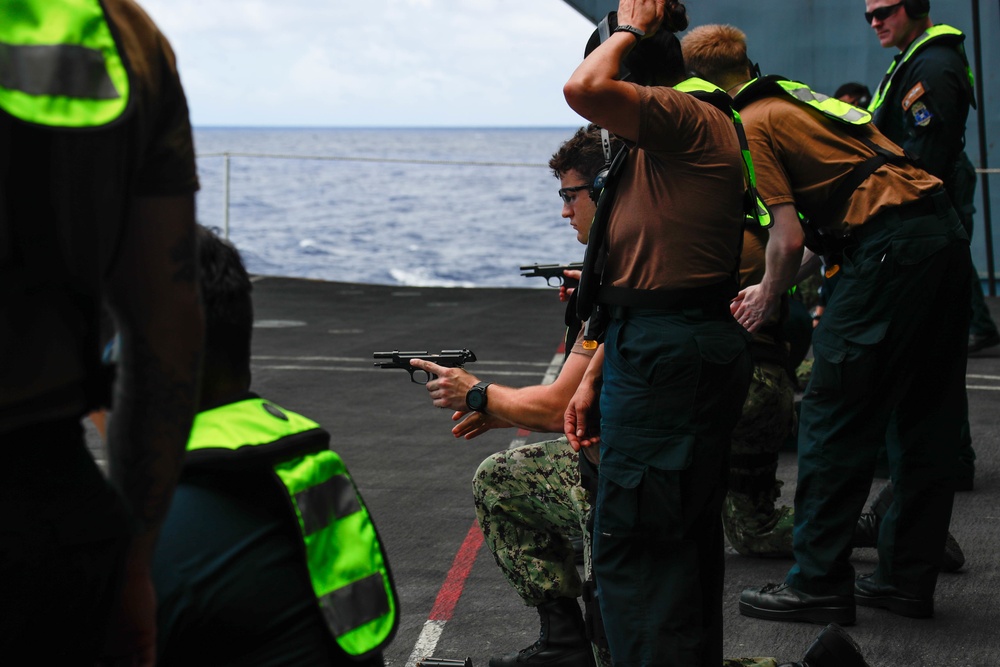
[[344, 558], [830, 107], [60, 65], [937, 33], [757, 213]]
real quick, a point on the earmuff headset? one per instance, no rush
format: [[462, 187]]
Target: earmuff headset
[[917, 9], [605, 27], [602, 176]]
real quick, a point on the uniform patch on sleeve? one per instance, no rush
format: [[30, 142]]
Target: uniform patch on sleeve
[[915, 93], [922, 116]]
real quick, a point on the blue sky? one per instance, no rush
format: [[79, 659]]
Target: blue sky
[[375, 63]]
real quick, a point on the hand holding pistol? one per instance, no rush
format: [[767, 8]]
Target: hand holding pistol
[[553, 273], [447, 358]]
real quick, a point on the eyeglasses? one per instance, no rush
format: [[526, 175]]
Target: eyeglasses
[[882, 13], [564, 193]]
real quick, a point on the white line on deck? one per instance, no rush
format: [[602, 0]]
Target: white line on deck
[[426, 642]]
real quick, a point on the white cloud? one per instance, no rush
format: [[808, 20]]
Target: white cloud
[[399, 62]]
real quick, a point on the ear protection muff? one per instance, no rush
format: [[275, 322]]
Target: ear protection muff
[[917, 9], [597, 186], [601, 178]]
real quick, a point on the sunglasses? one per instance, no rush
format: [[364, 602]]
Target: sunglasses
[[564, 192], [882, 13]]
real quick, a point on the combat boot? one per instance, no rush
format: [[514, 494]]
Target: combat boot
[[562, 640], [833, 647], [867, 527]]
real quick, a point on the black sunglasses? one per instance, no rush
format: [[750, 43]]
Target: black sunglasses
[[564, 192], [882, 13]]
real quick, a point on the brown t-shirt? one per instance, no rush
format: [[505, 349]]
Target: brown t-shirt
[[752, 266], [678, 213], [801, 156], [752, 258]]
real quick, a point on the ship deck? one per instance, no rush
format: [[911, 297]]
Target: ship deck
[[313, 345]]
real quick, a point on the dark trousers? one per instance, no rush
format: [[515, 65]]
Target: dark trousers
[[674, 385], [889, 352], [63, 535]]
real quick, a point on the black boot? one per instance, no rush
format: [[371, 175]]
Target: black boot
[[833, 647], [867, 527], [562, 641]]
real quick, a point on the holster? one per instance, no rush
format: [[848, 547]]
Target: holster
[[823, 242], [592, 619]]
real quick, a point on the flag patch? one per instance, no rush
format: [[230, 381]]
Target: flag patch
[[915, 94]]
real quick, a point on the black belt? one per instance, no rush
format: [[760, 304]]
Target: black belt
[[710, 300]]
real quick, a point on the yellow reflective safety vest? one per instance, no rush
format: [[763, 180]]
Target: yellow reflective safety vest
[[769, 86], [60, 64], [346, 564], [937, 34], [818, 224], [757, 214]]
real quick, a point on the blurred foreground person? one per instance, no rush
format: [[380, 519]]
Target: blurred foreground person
[[97, 185]]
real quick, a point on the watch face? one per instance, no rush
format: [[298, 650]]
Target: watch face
[[476, 398]]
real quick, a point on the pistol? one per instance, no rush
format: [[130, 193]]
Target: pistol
[[553, 273], [449, 358]]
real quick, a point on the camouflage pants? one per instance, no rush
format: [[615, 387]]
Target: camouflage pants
[[753, 525], [529, 502]]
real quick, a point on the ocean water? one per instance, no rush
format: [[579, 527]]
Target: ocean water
[[427, 207]]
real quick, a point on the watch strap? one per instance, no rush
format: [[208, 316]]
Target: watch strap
[[639, 34], [478, 388]]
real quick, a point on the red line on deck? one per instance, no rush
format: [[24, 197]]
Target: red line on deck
[[454, 583]]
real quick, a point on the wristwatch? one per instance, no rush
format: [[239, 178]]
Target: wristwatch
[[639, 34], [476, 397]]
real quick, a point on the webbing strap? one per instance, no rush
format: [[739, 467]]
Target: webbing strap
[[596, 255], [835, 203]]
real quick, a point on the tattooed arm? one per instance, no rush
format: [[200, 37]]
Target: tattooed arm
[[154, 296]]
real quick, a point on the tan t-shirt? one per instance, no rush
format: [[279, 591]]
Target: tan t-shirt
[[678, 216], [801, 156]]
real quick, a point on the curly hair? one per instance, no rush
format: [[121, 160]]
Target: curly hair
[[583, 152]]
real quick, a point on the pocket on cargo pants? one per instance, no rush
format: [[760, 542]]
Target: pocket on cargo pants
[[639, 501]]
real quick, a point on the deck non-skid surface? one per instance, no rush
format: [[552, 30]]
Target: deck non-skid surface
[[313, 347]]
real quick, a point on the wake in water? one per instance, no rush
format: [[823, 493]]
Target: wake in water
[[464, 216]]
